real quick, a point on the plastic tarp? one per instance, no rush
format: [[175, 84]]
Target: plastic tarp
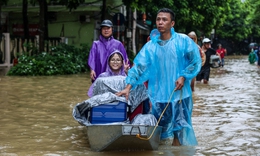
[[114, 84], [104, 93]]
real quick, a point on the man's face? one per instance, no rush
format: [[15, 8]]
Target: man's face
[[164, 22], [106, 31]]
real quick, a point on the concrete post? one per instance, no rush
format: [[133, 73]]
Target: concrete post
[[7, 50], [7, 65]]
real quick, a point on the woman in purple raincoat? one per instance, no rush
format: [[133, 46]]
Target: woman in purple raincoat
[[115, 66], [102, 48]]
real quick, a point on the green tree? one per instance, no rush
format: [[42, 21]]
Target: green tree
[[236, 27], [253, 7], [71, 4], [203, 15], [150, 7]]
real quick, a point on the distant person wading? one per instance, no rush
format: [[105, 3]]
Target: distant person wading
[[205, 69]]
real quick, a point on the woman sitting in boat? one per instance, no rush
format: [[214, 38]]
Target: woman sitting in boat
[[115, 67]]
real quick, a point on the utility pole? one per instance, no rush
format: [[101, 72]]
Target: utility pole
[[103, 13], [43, 21]]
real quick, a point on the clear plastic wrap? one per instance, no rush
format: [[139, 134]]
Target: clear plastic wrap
[[104, 93], [144, 119], [114, 84]]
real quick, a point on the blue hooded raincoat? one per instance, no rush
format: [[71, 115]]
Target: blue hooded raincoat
[[161, 63]]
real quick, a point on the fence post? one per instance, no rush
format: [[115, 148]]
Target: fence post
[[2, 47], [7, 55], [7, 50], [37, 38]]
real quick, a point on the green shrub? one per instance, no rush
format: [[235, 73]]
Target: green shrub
[[62, 60]]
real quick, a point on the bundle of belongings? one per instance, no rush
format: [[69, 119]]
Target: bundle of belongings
[[104, 107], [214, 59]]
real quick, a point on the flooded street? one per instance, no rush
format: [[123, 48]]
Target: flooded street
[[36, 115]]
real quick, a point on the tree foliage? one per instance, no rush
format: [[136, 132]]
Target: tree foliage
[[236, 27], [253, 7], [203, 15], [71, 4], [236, 21]]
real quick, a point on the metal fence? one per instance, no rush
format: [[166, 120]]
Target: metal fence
[[12, 47]]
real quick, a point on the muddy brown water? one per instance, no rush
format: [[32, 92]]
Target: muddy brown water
[[35, 115]]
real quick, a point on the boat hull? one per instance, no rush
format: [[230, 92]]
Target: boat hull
[[123, 137]]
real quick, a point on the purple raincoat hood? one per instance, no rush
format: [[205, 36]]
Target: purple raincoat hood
[[109, 71]]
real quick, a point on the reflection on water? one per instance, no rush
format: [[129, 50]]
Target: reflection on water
[[35, 115]]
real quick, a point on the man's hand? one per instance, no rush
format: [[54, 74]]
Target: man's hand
[[125, 92], [92, 74], [179, 83]]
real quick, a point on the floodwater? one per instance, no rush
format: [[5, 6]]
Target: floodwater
[[35, 115]]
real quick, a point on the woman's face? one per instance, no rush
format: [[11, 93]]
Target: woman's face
[[115, 62]]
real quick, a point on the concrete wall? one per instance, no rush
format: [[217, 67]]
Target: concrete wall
[[77, 32]]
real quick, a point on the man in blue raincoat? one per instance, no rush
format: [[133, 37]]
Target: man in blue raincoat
[[168, 62]]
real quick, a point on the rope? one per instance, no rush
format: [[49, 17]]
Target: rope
[[142, 138]]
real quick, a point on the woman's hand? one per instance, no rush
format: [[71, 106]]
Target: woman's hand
[[126, 66]]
